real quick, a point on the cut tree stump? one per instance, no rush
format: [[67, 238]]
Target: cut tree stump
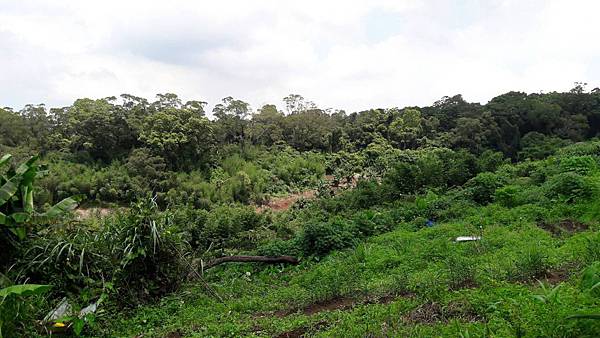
[[254, 259]]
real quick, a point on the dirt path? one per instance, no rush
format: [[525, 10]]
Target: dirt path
[[85, 213], [286, 202]]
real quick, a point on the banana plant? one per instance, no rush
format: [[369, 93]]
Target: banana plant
[[16, 198], [11, 298]]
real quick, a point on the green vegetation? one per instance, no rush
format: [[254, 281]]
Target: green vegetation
[[386, 194]]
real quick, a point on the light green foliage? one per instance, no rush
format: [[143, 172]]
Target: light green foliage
[[582, 165], [17, 211], [407, 128], [483, 186], [590, 280], [570, 186]]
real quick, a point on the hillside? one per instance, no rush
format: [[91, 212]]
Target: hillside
[[112, 214], [525, 277]]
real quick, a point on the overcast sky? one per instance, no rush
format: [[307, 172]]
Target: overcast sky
[[343, 54]]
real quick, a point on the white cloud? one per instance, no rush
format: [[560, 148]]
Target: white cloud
[[343, 54]]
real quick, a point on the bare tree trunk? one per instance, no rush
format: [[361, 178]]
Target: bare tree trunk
[[260, 259]]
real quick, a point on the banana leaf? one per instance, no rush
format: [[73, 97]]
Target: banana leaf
[[20, 217], [56, 210], [9, 189], [27, 197], [27, 165], [5, 159], [24, 290]]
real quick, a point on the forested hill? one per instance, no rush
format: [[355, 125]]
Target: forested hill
[[519, 125], [455, 219]]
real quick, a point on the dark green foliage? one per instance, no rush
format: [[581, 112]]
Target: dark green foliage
[[16, 306], [278, 247], [134, 255], [320, 238], [483, 187], [232, 227]]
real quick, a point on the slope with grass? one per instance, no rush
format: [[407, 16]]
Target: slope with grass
[[534, 269]]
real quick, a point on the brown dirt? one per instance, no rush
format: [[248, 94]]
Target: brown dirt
[[86, 213], [331, 305], [174, 334], [430, 313], [284, 203], [339, 303], [568, 226], [301, 331], [553, 277], [295, 333]]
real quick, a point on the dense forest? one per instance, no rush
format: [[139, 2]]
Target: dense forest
[[126, 206]]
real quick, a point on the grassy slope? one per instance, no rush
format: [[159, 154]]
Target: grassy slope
[[409, 282]]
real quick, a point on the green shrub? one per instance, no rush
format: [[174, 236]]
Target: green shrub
[[569, 186], [226, 227], [370, 222], [15, 309], [482, 187], [320, 238], [132, 255], [582, 165], [461, 270], [278, 247], [508, 196], [581, 149], [530, 264], [592, 249], [590, 279]]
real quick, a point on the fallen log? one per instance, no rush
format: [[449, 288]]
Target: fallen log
[[259, 259]]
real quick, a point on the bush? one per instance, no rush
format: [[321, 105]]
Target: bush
[[508, 196], [133, 254], [322, 237], [530, 264], [370, 223], [482, 187], [279, 247], [227, 227], [581, 149], [582, 165], [569, 186]]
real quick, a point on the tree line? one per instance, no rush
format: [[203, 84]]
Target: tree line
[[102, 130]]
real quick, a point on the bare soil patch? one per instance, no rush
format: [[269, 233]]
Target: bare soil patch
[[284, 203], [340, 303], [86, 213], [568, 226], [556, 276], [301, 331], [430, 313], [295, 333], [174, 334]]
